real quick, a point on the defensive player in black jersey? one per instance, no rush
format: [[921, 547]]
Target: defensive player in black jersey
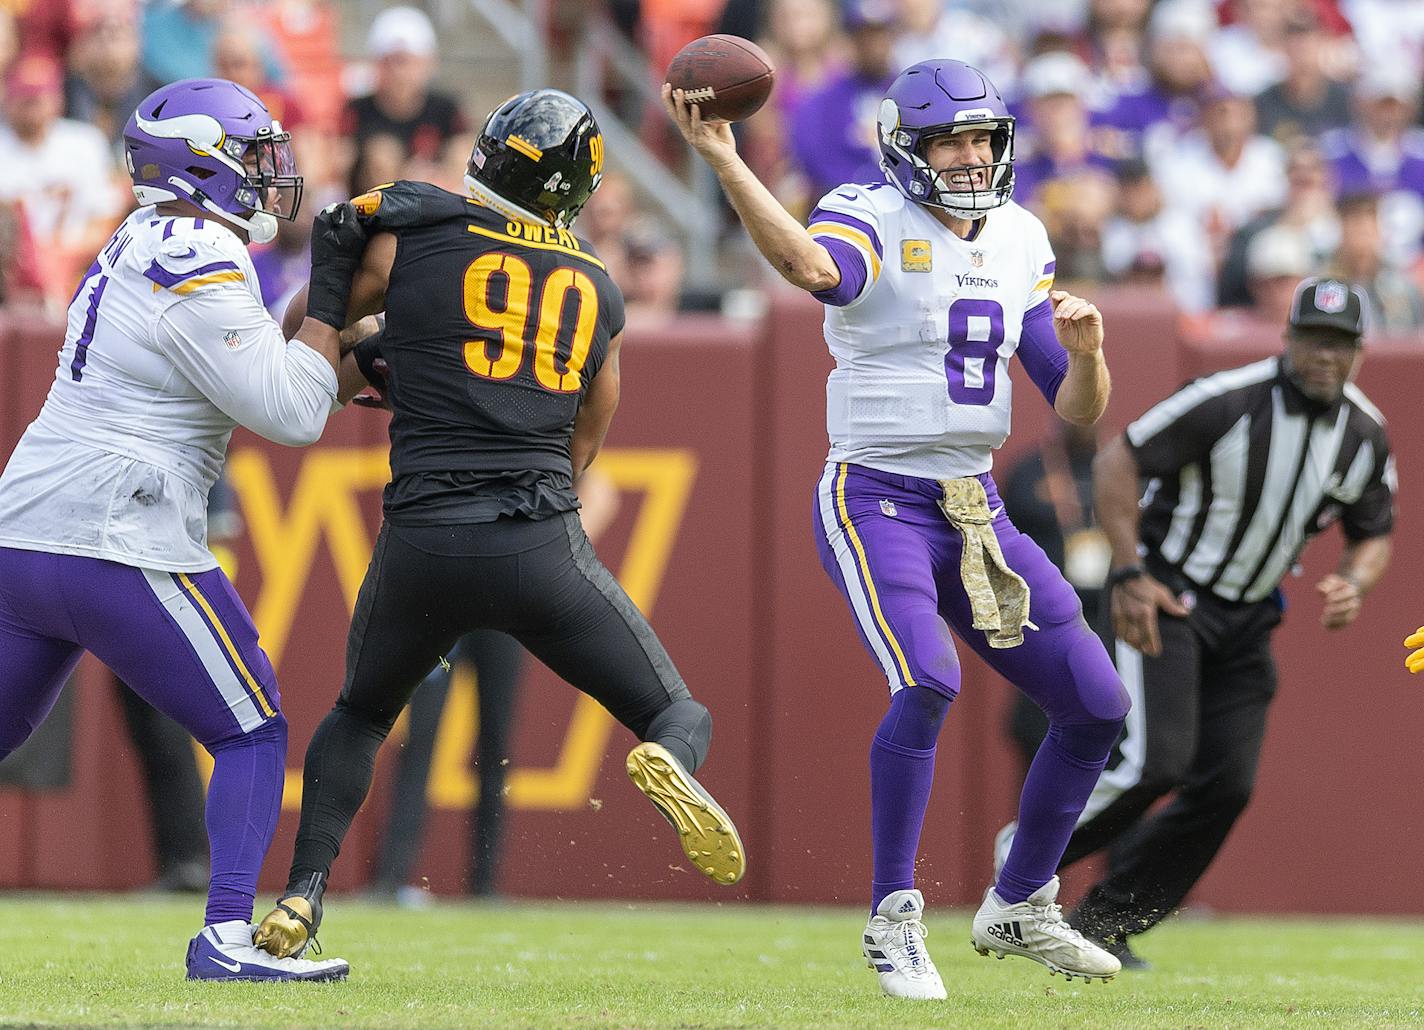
[[501, 369]]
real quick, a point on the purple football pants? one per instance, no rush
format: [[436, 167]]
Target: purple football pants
[[186, 644], [889, 549]]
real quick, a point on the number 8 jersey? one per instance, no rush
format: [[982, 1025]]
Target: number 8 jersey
[[922, 326]]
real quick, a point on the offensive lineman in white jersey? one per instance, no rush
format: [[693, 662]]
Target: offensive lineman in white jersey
[[103, 504], [932, 280]]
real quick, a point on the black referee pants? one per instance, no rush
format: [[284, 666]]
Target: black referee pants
[[1196, 727], [538, 581]]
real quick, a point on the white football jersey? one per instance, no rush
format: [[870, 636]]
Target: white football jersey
[[921, 384], [168, 347]]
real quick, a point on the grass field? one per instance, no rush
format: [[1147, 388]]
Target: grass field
[[106, 961]]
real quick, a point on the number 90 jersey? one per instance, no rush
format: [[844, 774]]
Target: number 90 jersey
[[494, 330], [922, 326]]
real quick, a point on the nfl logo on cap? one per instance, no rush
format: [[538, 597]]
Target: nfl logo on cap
[[1331, 296], [1328, 305]]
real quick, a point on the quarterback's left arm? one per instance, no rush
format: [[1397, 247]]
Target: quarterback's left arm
[[1083, 394]]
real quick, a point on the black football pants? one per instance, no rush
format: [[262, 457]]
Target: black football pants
[[538, 581], [1196, 727]]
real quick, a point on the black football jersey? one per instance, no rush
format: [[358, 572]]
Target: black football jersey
[[494, 330]]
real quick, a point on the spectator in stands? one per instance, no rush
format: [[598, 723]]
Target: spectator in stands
[[604, 222], [1059, 140], [929, 29], [106, 80], [1144, 243], [1075, 209], [1390, 33], [804, 42], [61, 173], [1395, 302], [178, 40], [403, 119], [237, 55], [1222, 174], [1309, 207], [1154, 115], [1114, 42], [1382, 152], [307, 33], [47, 27], [9, 38], [1306, 102], [21, 281], [834, 135], [1249, 54], [653, 290], [1276, 261]]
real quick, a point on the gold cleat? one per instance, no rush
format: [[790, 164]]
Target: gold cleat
[[289, 928], [704, 828]]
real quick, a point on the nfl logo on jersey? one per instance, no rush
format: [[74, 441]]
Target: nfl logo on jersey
[[231, 340]]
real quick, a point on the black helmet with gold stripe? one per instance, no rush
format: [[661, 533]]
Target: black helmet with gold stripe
[[540, 153]]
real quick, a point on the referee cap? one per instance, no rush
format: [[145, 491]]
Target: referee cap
[[1321, 303]]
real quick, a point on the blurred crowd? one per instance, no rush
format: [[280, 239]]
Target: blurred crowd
[[1218, 151]]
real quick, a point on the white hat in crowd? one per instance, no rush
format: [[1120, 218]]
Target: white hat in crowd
[[401, 30], [1057, 72]]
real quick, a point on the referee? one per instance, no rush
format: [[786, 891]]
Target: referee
[[1242, 467]]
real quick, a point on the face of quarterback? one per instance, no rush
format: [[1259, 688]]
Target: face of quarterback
[[1320, 362], [962, 159]]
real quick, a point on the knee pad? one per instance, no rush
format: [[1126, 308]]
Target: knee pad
[[915, 717], [1088, 742], [684, 728], [273, 731]]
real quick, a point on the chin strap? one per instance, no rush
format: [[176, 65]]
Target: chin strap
[[489, 198], [261, 226]]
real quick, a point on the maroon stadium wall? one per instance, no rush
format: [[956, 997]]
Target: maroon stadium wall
[[715, 453]]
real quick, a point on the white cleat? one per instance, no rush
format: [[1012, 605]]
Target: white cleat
[[894, 946], [1003, 841], [224, 951], [1036, 929]]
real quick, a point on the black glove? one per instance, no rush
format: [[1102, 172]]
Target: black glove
[[337, 243]]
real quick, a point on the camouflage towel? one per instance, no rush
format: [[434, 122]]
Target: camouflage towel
[[998, 596]]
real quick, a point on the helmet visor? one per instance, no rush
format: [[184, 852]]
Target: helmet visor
[[272, 183]]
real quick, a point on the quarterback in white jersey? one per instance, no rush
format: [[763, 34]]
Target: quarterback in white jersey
[[932, 280], [103, 504]]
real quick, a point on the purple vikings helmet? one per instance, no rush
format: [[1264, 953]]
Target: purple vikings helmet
[[930, 99], [212, 142]]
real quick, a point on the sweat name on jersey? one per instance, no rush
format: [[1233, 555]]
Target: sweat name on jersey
[[922, 326]]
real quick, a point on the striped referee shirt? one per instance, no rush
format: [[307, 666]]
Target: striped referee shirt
[[1243, 469]]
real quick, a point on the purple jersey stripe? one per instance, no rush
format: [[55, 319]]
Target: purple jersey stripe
[[1043, 357], [851, 263], [168, 228], [168, 279], [823, 215], [197, 223], [81, 346], [1049, 268]]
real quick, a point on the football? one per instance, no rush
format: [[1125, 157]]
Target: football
[[728, 77]]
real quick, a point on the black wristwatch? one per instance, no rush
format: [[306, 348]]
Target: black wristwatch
[[1123, 573]]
